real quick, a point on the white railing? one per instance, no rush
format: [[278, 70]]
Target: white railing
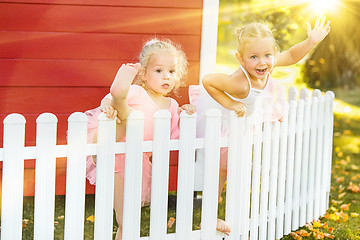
[[271, 178]]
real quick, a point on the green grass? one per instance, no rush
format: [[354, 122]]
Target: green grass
[[59, 220]]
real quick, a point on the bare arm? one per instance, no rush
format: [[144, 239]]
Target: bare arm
[[216, 84], [300, 50], [120, 88], [211, 83]]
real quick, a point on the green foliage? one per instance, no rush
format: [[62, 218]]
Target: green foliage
[[285, 21], [336, 61]]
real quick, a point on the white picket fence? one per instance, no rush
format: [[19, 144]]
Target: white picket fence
[[278, 178]]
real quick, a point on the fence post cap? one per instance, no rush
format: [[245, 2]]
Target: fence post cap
[[331, 94], [14, 118], [300, 102], [136, 115], [184, 114], [293, 92], [46, 118], [316, 93], [304, 93], [163, 114], [77, 117], [213, 112]]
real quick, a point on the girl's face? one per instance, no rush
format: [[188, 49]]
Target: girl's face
[[161, 72], [258, 57]]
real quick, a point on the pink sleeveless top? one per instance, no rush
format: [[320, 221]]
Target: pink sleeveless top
[[139, 100]]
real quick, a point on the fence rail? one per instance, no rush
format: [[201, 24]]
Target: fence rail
[[271, 178]]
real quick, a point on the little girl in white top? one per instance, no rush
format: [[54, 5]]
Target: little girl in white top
[[250, 89]]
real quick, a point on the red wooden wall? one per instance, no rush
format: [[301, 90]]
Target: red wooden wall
[[60, 56]]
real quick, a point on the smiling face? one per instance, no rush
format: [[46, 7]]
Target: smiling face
[[258, 57], [161, 72]]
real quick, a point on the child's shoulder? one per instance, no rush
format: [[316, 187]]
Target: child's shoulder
[[215, 76], [239, 77], [136, 89], [135, 93], [173, 102]]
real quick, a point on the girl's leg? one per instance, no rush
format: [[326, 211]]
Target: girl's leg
[[118, 203], [221, 225]]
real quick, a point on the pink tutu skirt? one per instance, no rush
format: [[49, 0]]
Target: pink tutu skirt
[[119, 160]]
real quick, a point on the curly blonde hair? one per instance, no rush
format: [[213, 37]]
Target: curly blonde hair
[[251, 32], [155, 46]]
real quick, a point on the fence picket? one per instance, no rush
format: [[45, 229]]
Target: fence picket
[[297, 164], [280, 211], [312, 159], [274, 162], [324, 196], [319, 154], [255, 185], [104, 191], [75, 177], [211, 174], [160, 175], [133, 175], [246, 163], [290, 167], [330, 128], [45, 176], [305, 162], [293, 93], [186, 171], [13, 177], [265, 177], [233, 185]]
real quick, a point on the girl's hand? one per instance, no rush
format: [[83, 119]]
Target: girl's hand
[[239, 109], [189, 108], [123, 79], [320, 30], [110, 112]]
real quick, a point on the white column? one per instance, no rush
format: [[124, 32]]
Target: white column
[[209, 31]]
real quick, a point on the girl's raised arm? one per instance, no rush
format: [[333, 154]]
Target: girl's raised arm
[[300, 50], [120, 88]]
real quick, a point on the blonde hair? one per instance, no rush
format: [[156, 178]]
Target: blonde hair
[[251, 32], [155, 46]]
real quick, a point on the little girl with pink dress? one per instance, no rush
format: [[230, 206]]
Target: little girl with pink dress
[[143, 87]]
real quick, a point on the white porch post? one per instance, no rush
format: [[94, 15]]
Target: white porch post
[[209, 31]]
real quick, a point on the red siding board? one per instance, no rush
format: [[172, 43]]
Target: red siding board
[[85, 46], [50, 99], [132, 3], [67, 73], [62, 18], [36, 100]]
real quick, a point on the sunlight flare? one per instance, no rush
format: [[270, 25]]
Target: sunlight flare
[[322, 6]]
